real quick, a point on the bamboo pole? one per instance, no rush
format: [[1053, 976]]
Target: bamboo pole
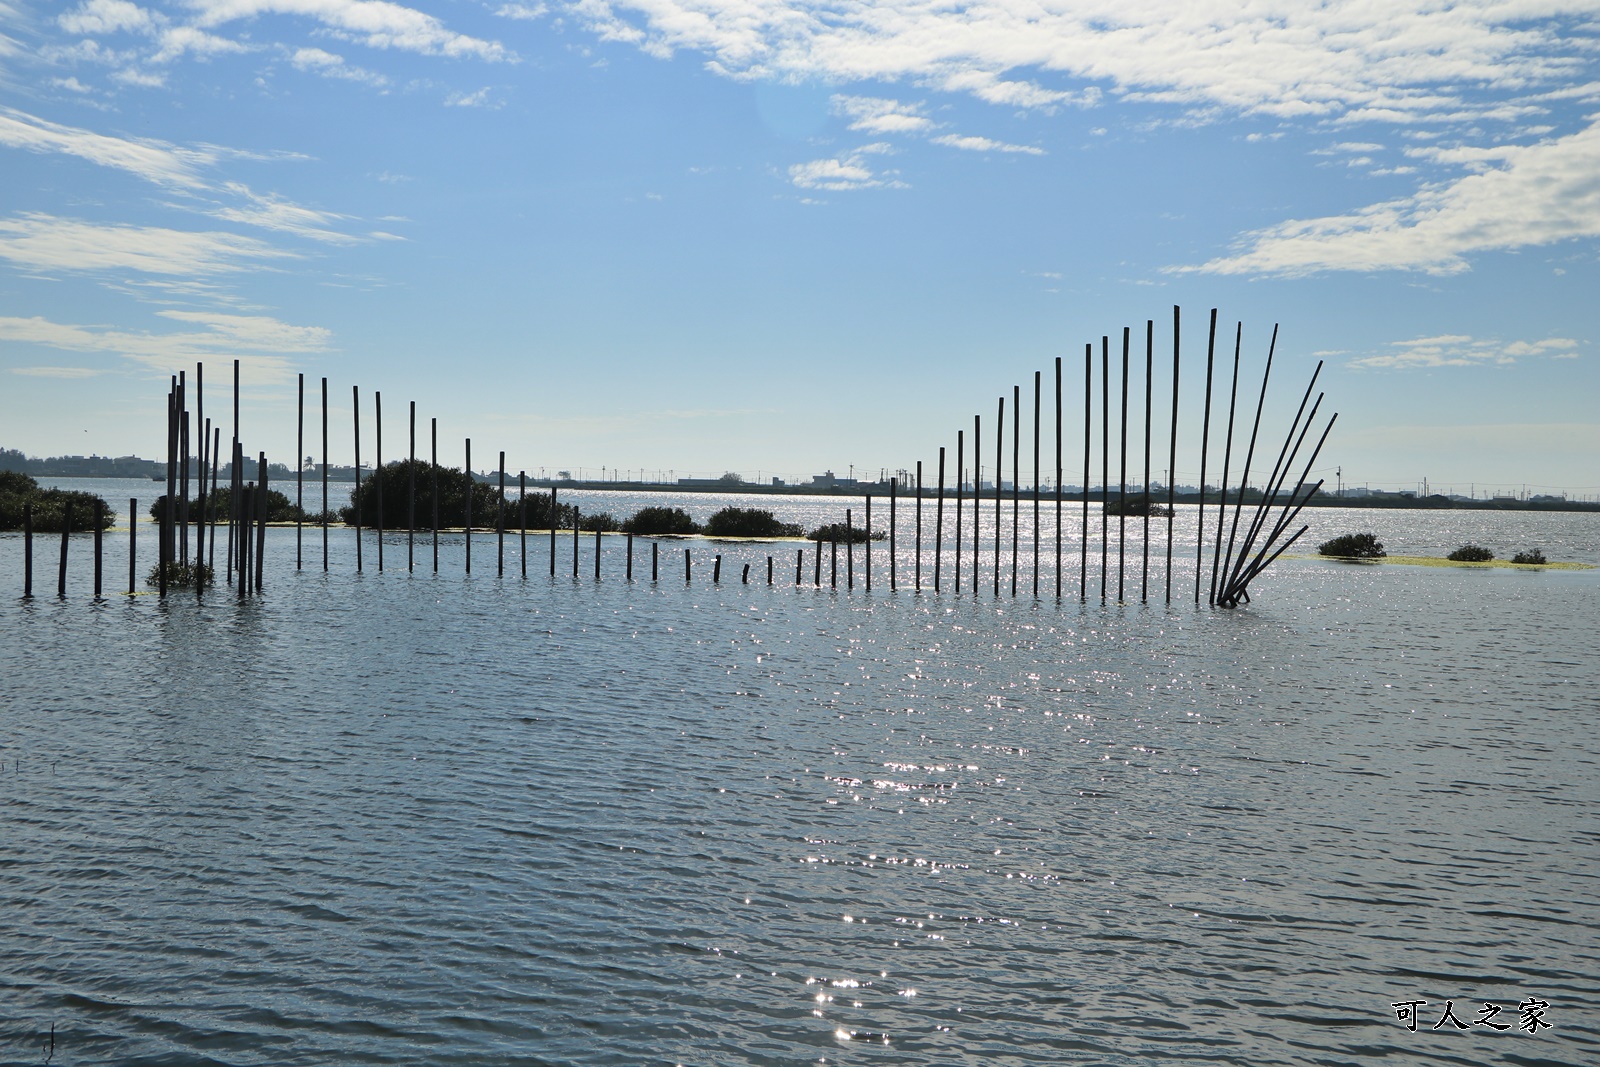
[[500, 522], [866, 549], [1122, 480], [1058, 477], [799, 564], [355, 494], [200, 471], [99, 548], [999, 477], [1249, 455], [61, 571], [555, 520], [938, 522], [133, 544], [261, 529], [1149, 365], [716, 570], [1172, 446], [324, 475], [849, 551], [433, 488], [655, 556], [1016, 481], [577, 522], [183, 471], [1037, 385], [1205, 442], [299, 467], [522, 509], [917, 572], [377, 467], [411, 491], [1105, 460], [894, 491], [961, 471], [687, 574], [1227, 462], [27, 552], [597, 534], [1088, 414], [472, 491]]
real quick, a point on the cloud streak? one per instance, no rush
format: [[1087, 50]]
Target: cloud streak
[[263, 345], [1462, 350], [1525, 196], [44, 244]]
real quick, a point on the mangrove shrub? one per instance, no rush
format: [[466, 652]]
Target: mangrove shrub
[[657, 521], [1534, 557], [749, 522], [840, 532], [454, 485], [51, 507], [1470, 553], [218, 507], [1354, 546]]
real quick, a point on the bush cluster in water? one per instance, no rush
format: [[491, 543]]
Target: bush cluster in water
[[1470, 553], [219, 506], [1534, 557], [1354, 546], [50, 506]]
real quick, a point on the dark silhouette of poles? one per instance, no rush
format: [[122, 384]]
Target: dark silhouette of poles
[[242, 524], [894, 491], [377, 468], [687, 573], [961, 473], [1149, 365], [261, 530], [999, 477], [471, 492], [769, 570], [849, 551], [1280, 471], [61, 570], [716, 570], [655, 558], [597, 534], [1122, 480], [236, 480], [744, 577], [433, 489], [216, 448], [165, 554], [1172, 447], [200, 471], [833, 553], [1227, 463], [299, 465], [799, 565], [816, 565], [938, 523], [182, 502], [1205, 444], [1105, 459], [355, 407], [1016, 482], [522, 509], [1058, 477], [1249, 458], [577, 523], [555, 520], [917, 573], [411, 493], [630, 562], [866, 549], [1088, 413], [324, 475], [500, 522], [99, 546], [1037, 384], [27, 552], [133, 543]]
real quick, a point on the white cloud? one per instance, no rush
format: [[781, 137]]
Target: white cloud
[[984, 144], [1400, 60], [1462, 350], [109, 16], [45, 243], [521, 11], [262, 344], [317, 61], [474, 99], [375, 23], [154, 161], [1536, 195], [873, 114], [56, 372], [843, 173]]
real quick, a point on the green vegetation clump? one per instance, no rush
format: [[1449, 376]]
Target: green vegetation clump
[[749, 522], [50, 506], [219, 504], [838, 531], [1354, 546], [455, 485], [1470, 553], [603, 521], [658, 521], [1534, 557], [1137, 507], [181, 575]]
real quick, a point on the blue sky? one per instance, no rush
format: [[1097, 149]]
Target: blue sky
[[778, 238]]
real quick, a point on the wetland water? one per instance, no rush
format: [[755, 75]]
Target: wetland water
[[419, 820]]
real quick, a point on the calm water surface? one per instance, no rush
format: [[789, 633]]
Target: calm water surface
[[428, 819]]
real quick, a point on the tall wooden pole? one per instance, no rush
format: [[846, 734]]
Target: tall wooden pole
[[377, 468], [1205, 445], [1172, 446], [522, 508], [894, 491], [433, 489], [500, 522], [261, 528], [411, 494], [1105, 459], [355, 495], [472, 487], [938, 522], [324, 474], [866, 550], [555, 520], [1227, 461], [1122, 479], [917, 573], [1249, 456], [960, 478], [299, 469], [1088, 413], [999, 476], [1149, 364], [1058, 477], [1037, 385], [216, 448], [133, 543]]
